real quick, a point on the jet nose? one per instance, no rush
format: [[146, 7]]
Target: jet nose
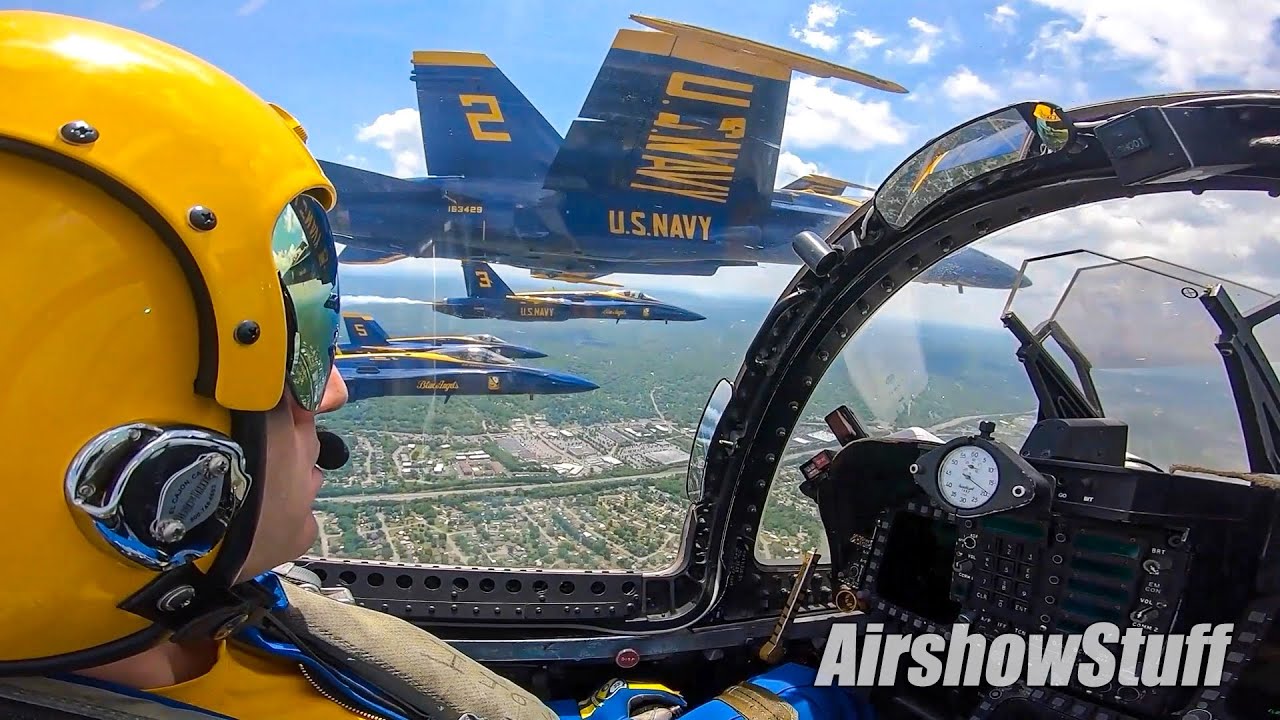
[[568, 383], [1026, 282], [520, 351], [672, 313]]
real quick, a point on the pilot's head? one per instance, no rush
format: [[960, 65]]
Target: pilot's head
[[172, 315]]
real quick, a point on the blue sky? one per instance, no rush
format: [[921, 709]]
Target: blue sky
[[343, 67]]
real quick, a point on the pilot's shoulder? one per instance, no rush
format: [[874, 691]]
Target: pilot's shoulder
[[388, 653]]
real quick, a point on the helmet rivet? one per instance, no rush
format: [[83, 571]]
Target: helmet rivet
[[202, 218], [177, 598], [78, 132], [248, 332]]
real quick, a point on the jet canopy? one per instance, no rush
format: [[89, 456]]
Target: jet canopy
[[480, 355]]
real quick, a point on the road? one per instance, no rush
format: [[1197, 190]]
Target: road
[[401, 497], [654, 400]]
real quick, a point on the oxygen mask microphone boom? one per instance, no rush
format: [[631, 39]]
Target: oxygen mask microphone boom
[[333, 451]]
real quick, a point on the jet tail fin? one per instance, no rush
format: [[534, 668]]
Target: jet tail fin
[[482, 281], [363, 330], [475, 123]]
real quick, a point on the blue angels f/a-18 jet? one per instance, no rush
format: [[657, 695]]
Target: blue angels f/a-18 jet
[[489, 297], [449, 371], [668, 170], [365, 335]]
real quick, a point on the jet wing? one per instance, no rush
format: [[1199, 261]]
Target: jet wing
[[796, 61], [581, 278], [823, 185], [352, 255]]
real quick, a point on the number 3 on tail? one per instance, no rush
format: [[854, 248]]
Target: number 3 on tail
[[482, 279], [493, 115]]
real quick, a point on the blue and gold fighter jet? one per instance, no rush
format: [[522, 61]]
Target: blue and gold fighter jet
[[449, 371], [669, 168], [365, 335], [489, 297]]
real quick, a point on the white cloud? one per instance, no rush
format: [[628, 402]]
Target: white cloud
[[926, 41], [250, 7], [1002, 17], [818, 115], [862, 40], [1183, 42], [400, 134], [964, 86], [1232, 235], [819, 20], [149, 5], [822, 14], [791, 167], [923, 27]]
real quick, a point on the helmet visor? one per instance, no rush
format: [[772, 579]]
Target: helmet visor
[[308, 263]]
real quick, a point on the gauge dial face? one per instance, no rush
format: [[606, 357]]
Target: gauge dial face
[[968, 477]]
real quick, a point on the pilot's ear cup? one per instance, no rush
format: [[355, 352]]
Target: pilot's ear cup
[[160, 496]]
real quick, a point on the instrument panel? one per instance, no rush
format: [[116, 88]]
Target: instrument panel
[[928, 535]]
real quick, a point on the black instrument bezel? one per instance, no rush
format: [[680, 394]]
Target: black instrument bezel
[[1013, 472]]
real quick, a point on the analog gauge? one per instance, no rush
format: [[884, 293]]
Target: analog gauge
[[968, 477]]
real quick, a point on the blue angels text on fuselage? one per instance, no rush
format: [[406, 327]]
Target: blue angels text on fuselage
[[489, 297], [365, 335], [448, 371], [669, 169]]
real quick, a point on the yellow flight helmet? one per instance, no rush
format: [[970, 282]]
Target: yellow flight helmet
[[165, 236]]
